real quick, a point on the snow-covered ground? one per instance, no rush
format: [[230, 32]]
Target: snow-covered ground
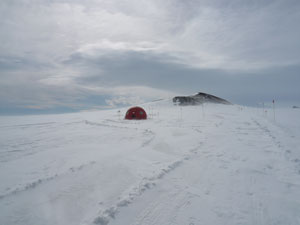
[[215, 165]]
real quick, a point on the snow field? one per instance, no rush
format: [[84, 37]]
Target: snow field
[[185, 165]]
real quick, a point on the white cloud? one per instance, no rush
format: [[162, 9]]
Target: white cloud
[[105, 46]]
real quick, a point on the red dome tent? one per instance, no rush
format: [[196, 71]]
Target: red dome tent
[[136, 113]]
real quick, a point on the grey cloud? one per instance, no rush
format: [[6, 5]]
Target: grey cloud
[[241, 34], [245, 51], [252, 34], [160, 72]]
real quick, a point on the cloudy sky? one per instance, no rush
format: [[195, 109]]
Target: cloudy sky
[[68, 55]]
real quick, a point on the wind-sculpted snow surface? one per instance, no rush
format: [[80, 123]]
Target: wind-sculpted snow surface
[[215, 164]]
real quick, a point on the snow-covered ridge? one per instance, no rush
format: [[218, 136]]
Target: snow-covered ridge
[[214, 164]]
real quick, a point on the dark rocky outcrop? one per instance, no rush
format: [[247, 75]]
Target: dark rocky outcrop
[[199, 98]]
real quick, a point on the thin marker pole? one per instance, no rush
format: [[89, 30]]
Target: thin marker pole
[[274, 109], [180, 113]]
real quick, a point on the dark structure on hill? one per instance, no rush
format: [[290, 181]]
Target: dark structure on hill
[[199, 98]]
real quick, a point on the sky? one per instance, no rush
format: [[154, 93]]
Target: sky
[[70, 55]]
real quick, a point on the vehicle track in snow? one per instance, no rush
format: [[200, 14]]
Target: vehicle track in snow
[[282, 149], [107, 215], [164, 206]]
